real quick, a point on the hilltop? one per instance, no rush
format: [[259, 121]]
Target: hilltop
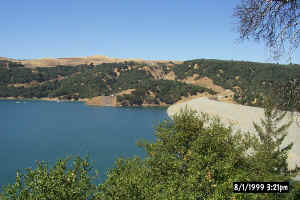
[[95, 59]]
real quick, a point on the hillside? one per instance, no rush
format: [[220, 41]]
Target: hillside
[[146, 83], [84, 82]]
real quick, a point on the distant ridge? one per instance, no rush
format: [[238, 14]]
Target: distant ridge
[[8, 59], [95, 59]]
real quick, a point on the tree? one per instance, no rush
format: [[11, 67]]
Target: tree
[[276, 22], [60, 182], [193, 158], [270, 152], [289, 95], [270, 157]]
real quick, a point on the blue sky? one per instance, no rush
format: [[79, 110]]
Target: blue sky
[[156, 29]]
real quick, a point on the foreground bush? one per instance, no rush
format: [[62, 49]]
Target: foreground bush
[[62, 181], [192, 158]]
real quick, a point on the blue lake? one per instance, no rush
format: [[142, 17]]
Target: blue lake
[[40, 130]]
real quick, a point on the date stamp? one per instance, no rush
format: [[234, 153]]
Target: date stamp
[[260, 187]]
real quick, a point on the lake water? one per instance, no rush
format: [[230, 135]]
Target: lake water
[[40, 130]]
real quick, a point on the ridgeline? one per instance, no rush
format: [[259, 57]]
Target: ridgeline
[[133, 83]]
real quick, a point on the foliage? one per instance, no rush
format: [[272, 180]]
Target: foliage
[[271, 135], [60, 182], [276, 22], [289, 93], [165, 91], [192, 158], [101, 80], [11, 72], [250, 81]]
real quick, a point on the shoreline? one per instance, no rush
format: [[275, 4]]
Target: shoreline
[[85, 101], [36, 99]]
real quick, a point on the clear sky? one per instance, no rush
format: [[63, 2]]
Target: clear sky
[[156, 29]]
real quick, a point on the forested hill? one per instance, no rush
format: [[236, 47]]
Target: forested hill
[[248, 80], [135, 83]]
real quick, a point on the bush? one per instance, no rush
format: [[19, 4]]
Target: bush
[[61, 181]]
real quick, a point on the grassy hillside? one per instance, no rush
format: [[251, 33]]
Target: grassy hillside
[[140, 84]]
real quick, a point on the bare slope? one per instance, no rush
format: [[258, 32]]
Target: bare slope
[[242, 117]]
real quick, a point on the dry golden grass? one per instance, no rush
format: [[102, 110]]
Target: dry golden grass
[[96, 59]]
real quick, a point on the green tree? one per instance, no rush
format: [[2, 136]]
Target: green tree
[[270, 157], [270, 152], [60, 182]]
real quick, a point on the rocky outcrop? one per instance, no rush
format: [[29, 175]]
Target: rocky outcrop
[[102, 101]]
